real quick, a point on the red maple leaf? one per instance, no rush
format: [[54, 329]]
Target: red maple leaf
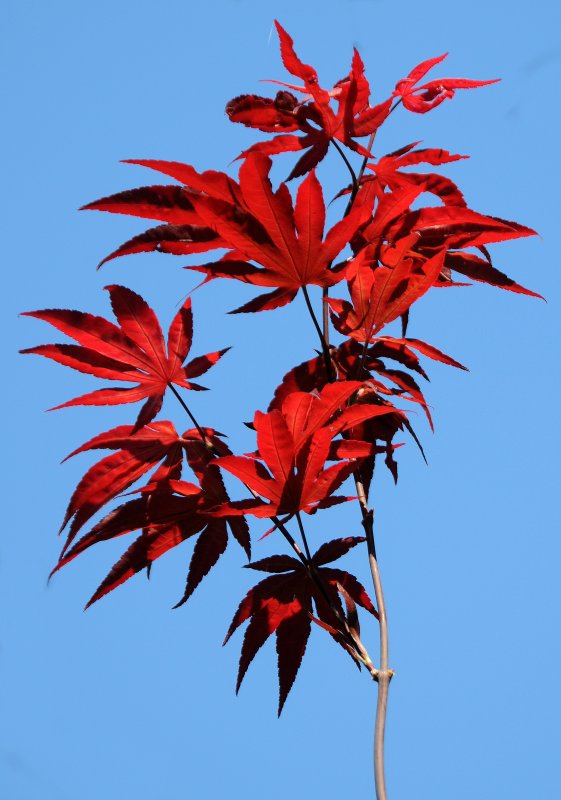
[[482, 270], [201, 454], [183, 232], [294, 443], [283, 604], [388, 171], [249, 220], [351, 360], [438, 228], [389, 174], [421, 99], [134, 352], [313, 115], [138, 451], [286, 240], [179, 240], [168, 512], [382, 292], [452, 228]]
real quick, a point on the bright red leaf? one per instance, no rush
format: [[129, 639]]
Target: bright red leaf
[[313, 115], [455, 227], [286, 240], [134, 352], [294, 443], [421, 99], [383, 292]]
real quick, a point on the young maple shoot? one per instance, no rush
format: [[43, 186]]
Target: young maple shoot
[[331, 415]]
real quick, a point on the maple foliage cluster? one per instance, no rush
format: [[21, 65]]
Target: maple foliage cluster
[[331, 415]]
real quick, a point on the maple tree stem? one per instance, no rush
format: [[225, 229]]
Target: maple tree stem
[[365, 159], [362, 359], [349, 167], [324, 345], [305, 559], [384, 673], [202, 434], [325, 315], [303, 535]]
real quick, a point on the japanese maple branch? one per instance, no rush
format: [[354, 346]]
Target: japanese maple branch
[[303, 535], [349, 167], [384, 674], [324, 344], [325, 315], [185, 407]]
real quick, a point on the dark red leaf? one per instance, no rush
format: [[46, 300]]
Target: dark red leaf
[[264, 113], [137, 454], [208, 548], [282, 604], [453, 227], [275, 564], [175, 239], [167, 203], [142, 552], [292, 638], [478, 269], [331, 551]]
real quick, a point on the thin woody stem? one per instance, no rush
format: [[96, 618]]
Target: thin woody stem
[[287, 535], [324, 344], [202, 434], [348, 164], [384, 674], [325, 316], [303, 535]]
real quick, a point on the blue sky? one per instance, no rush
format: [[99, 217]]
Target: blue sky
[[134, 700]]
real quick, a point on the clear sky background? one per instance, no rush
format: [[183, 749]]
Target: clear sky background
[[133, 700]]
